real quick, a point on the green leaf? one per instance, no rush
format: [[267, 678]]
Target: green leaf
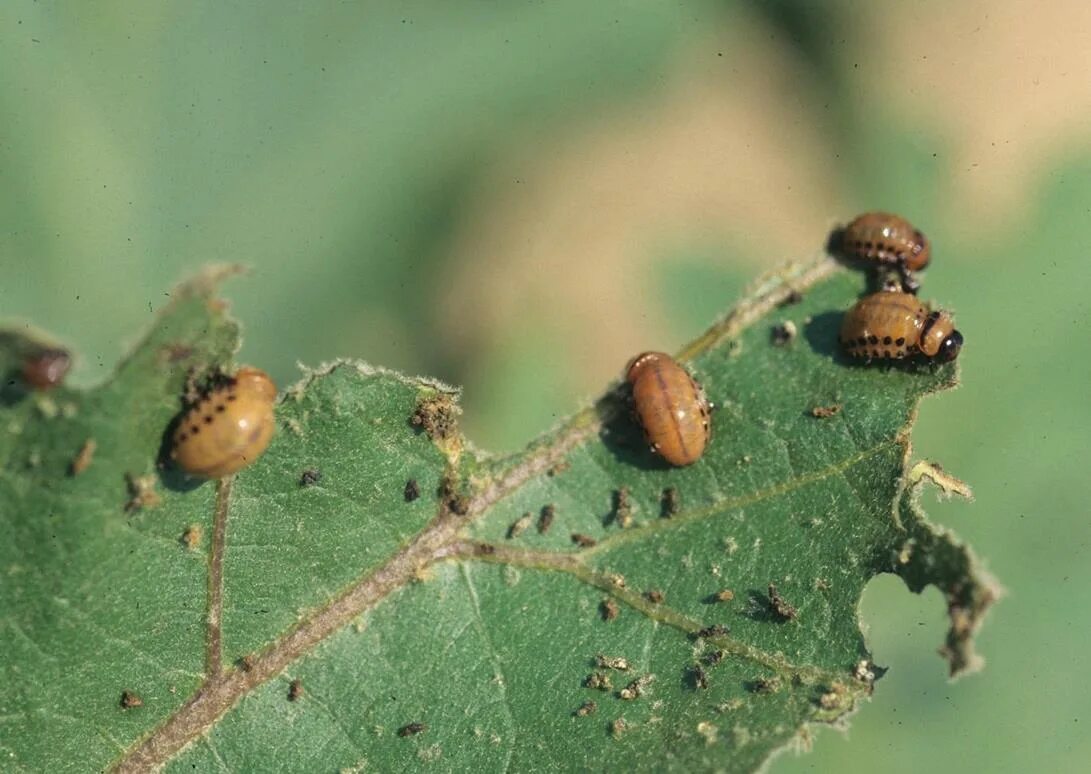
[[289, 622]]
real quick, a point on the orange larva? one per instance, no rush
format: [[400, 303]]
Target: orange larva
[[883, 238], [671, 407], [891, 325], [228, 428], [46, 369]]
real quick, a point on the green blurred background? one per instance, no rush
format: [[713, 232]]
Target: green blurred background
[[515, 196]]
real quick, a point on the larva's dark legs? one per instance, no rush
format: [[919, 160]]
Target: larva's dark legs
[[909, 282]]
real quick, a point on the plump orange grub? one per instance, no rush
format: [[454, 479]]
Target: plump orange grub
[[228, 428], [883, 238], [671, 407], [46, 369], [891, 325]]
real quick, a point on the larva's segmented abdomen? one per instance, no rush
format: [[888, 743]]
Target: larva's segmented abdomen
[[883, 326], [885, 238]]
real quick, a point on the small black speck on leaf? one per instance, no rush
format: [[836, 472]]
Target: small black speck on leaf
[[310, 477], [599, 681], [412, 490], [783, 333], [764, 685], [779, 606], [520, 525], [585, 709], [412, 729], [825, 412], [714, 658], [716, 630], [622, 512], [582, 540], [670, 502], [545, 519], [698, 677]]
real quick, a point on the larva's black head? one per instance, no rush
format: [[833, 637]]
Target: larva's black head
[[950, 348]]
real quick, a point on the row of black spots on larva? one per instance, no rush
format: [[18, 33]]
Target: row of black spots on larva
[[225, 428], [886, 245], [890, 324], [873, 328]]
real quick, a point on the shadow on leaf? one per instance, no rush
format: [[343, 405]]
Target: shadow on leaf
[[173, 478], [622, 436]]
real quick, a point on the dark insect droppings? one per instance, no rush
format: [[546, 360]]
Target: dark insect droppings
[[670, 502], [716, 630], [545, 519], [412, 490], [582, 540], [411, 729], [779, 606]]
